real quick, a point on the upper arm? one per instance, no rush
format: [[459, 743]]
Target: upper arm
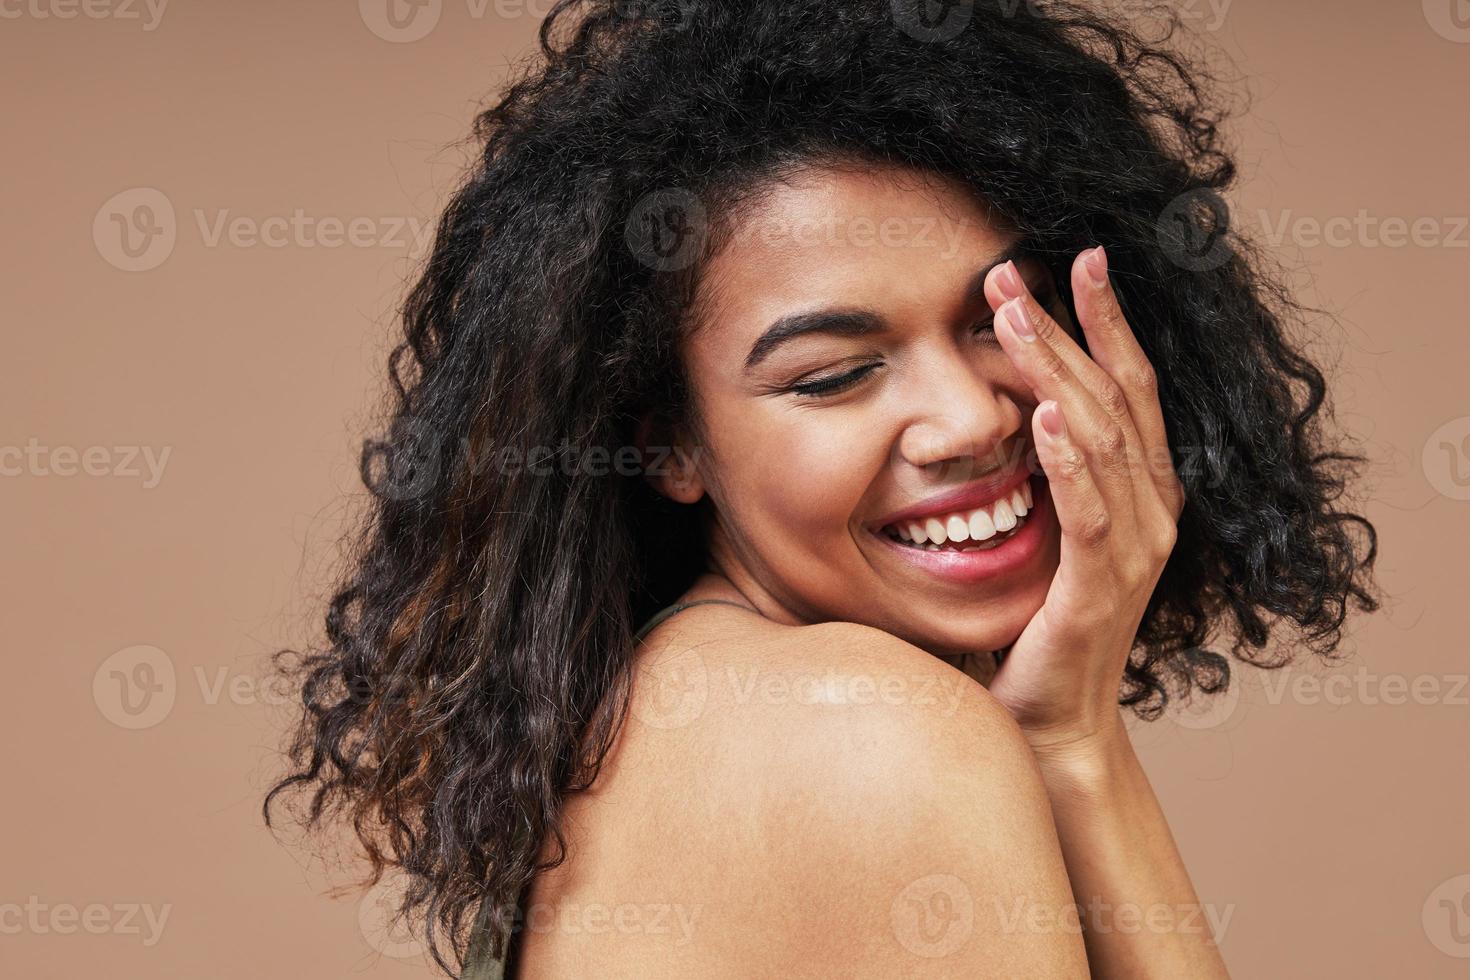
[[889, 821]]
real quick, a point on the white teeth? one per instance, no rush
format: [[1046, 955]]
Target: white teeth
[[936, 531], [981, 526], [978, 525]]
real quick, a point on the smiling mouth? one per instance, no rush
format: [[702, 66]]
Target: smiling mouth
[[977, 529]]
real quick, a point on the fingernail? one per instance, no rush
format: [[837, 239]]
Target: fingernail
[[1009, 281], [1051, 419], [1096, 262], [1014, 313]]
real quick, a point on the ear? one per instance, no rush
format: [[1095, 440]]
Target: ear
[[670, 459]]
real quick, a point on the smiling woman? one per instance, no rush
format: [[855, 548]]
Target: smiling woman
[[909, 325]]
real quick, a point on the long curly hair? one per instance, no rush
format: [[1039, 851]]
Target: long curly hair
[[477, 654]]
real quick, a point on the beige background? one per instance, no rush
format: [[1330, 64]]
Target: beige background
[[1328, 824]]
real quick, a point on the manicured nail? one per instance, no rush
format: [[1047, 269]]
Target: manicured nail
[[1009, 281], [1051, 419], [1096, 262], [1014, 313]]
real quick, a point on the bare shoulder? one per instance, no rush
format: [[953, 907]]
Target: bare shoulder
[[768, 686], [825, 800]]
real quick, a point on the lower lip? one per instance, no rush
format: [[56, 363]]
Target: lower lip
[[975, 566]]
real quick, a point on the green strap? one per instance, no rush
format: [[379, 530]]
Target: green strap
[[668, 611], [478, 963]]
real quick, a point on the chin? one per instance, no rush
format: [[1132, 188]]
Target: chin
[[994, 625], [987, 631], [979, 642]]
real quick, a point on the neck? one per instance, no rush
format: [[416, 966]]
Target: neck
[[727, 577]]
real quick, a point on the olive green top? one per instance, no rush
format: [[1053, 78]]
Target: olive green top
[[479, 964]]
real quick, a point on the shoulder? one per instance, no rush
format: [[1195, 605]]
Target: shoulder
[[799, 700], [840, 802], [741, 670]]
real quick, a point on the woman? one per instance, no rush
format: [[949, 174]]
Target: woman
[[816, 422]]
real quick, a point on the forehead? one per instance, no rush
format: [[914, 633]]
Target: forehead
[[897, 242]]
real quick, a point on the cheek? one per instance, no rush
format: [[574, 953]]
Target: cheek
[[997, 368], [799, 480]]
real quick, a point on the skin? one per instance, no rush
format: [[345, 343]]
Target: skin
[[840, 812]]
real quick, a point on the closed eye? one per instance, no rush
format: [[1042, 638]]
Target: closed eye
[[836, 383], [831, 385]]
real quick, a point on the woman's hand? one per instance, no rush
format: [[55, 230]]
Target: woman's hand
[[1100, 439], [1101, 442]]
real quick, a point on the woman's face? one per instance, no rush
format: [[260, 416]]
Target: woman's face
[[851, 390]]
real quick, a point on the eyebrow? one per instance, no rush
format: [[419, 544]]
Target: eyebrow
[[859, 323]]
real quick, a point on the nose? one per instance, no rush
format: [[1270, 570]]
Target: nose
[[961, 421]]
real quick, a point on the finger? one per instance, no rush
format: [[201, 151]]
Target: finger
[[1106, 391], [1005, 283], [1116, 350], [1079, 503], [1046, 365]]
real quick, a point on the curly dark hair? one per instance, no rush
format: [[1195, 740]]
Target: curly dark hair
[[477, 655]]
